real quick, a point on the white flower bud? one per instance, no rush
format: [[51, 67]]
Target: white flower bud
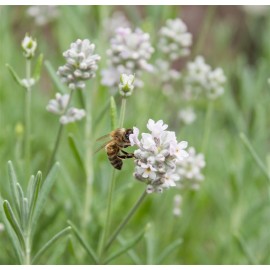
[[29, 46], [126, 84]]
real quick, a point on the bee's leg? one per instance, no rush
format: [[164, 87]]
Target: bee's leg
[[128, 155]]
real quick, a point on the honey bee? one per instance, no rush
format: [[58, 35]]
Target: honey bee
[[114, 147]]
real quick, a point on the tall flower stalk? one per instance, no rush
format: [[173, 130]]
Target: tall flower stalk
[[29, 46], [59, 133], [81, 65], [125, 89], [28, 118], [88, 160]]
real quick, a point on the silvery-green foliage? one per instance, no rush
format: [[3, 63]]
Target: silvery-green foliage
[[22, 212]]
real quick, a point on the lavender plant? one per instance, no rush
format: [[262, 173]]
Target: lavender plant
[[81, 65], [29, 46], [100, 228]]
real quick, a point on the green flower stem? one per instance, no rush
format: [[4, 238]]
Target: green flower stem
[[203, 33], [28, 120], [88, 159], [111, 189], [122, 112], [27, 259], [108, 213], [255, 156], [59, 135], [207, 126], [125, 220]]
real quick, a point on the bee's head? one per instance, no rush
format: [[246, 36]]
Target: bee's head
[[128, 132]]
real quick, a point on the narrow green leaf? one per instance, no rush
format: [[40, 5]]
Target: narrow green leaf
[[243, 247], [88, 249], [43, 194], [14, 223], [114, 120], [75, 150], [268, 163], [37, 69], [131, 253], [21, 197], [25, 212], [34, 195], [103, 112], [13, 181], [168, 250], [58, 236], [150, 246], [259, 162], [14, 75], [11, 234], [30, 188], [61, 88], [126, 247]]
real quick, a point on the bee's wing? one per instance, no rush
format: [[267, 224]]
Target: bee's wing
[[103, 137], [102, 146]]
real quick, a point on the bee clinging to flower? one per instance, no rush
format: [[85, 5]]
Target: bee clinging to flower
[[114, 147]]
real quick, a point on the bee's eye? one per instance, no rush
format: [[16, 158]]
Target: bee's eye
[[127, 136]]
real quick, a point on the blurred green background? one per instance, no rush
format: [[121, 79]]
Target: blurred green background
[[234, 198]]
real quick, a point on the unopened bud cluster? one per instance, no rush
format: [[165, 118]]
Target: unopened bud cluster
[[81, 64]]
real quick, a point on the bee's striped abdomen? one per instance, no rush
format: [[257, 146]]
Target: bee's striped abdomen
[[112, 150]]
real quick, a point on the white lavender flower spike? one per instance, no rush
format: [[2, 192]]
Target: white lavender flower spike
[[42, 14], [156, 156], [129, 53], [201, 80], [81, 64], [117, 19], [189, 170], [72, 115], [59, 104], [175, 40], [187, 115]]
